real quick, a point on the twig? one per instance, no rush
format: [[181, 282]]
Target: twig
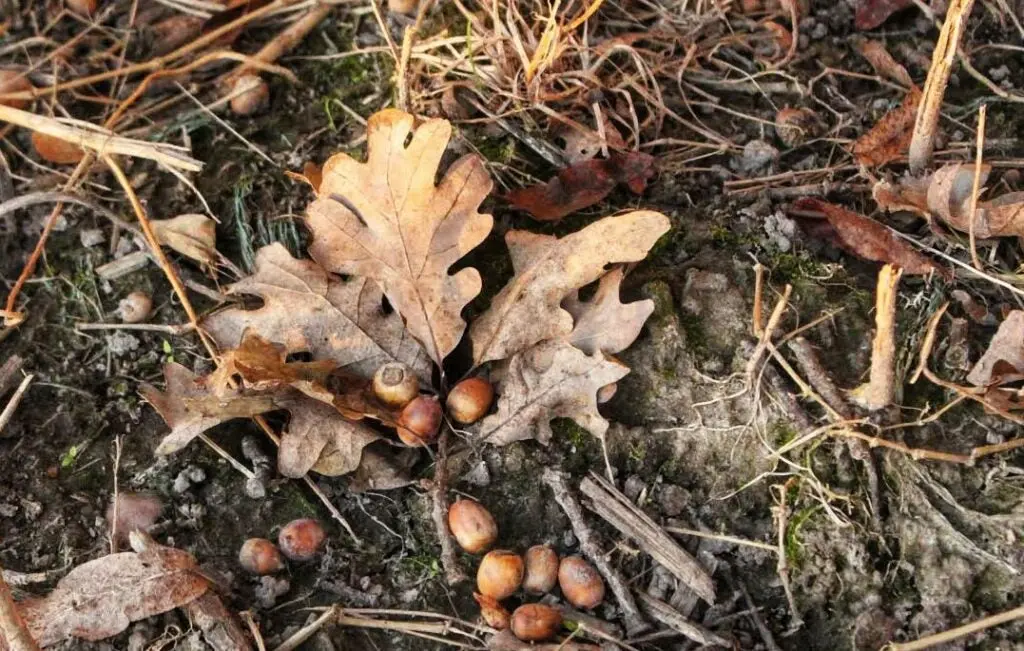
[[8, 371], [766, 336], [758, 317], [976, 187], [288, 38], [723, 538], [675, 620], [929, 341], [166, 328], [616, 509], [102, 142], [12, 404], [959, 631], [766, 634], [453, 572], [254, 629], [116, 502], [12, 626], [923, 142], [33, 198], [881, 386], [782, 564], [558, 483], [307, 631]]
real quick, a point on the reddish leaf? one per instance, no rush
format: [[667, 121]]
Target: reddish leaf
[[584, 184], [868, 239], [890, 138], [872, 13]]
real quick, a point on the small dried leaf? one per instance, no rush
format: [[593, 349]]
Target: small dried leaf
[[1004, 359], [192, 235], [102, 597], [551, 380], [868, 239], [261, 366], [189, 406], [307, 310], [870, 14], [311, 175], [382, 468], [890, 138], [949, 196], [604, 323], [386, 220], [527, 310], [584, 184], [318, 438], [493, 613], [882, 62]]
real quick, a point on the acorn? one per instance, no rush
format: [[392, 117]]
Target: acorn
[[419, 421], [403, 6], [82, 7], [541, 569], [12, 81], [395, 385], [500, 573], [55, 150], [135, 307], [250, 94], [535, 622], [260, 556], [472, 525], [493, 612], [300, 540], [581, 584], [469, 400]]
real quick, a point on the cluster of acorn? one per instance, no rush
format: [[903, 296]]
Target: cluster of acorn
[[503, 572], [419, 416], [299, 540]]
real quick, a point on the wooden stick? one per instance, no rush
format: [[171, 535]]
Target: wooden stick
[[616, 509], [12, 626], [758, 300], [559, 486], [453, 572], [959, 631], [12, 404], [881, 386], [287, 39], [675, 620], [923, 142], [975, 189], [766, 336]]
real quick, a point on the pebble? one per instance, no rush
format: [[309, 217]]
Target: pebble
[[181, 483], [1000, 73], [819, 32], [122, 343], [757, 154], [478, 475], [91, 237], [633, 486], [195, 474], [673, 499], [269, 589]]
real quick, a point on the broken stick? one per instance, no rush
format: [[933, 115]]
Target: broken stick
[[880, 390], [559, 485], [616, 509]]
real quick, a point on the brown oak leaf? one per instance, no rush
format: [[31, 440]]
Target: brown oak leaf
[[882, 62], [869, 239], [869, 14], [891, 136], [261, 366], [1003, 361], [386, 220], [102, 597], [550, 380], [528, 309], [584, 184], [308, 310], [192, 235], [318, 438], [604, 323]]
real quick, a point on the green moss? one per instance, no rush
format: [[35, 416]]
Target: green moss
[[792, 543], [696, 336], [664, 305], [497, 150], [781, 432]]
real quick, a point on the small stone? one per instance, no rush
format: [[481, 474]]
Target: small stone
[[181, 483], [757, 155], [673, 500], [32, 509], [91, 237], [633, 487], [255, 488], [568, 539], [269, 589], [122, 343], [880, 104], [1000, 73], [195, 474], [819, 32], [8, 510], [478, 475]]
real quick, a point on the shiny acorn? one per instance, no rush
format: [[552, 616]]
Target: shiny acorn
[[535, 622], [419, 421], [395, 385], [581, 584], [260, 556], [301, 540], [469, 400], [472, 525], [541, 569], [500, 574]]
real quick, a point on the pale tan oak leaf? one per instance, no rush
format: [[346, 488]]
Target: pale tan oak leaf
[[550, 380], [547, 269], [385, 219], [306, 309], [605, 323]]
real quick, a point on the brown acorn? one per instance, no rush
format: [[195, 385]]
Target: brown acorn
[[535, 622], [82, 7], [12, 81], [55, 150], [541, 569], [135, 307], [581, 584], [300, 540], [250, 94], [260, 556], [472, 525], [469, 400], [395, 385], [419, 421], [403, 6], [500, 574], [493, 612]]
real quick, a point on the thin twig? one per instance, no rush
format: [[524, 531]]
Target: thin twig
[[453, 572], [170, 329], [958, 632], [12, 404], [976, 187]]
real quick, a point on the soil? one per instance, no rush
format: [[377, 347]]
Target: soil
[[690, 442]]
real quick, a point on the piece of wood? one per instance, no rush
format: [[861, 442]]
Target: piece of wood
[[616, 509], [880, 389], [631, 614], [675, 620]]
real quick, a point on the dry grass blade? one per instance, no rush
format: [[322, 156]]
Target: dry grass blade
[[101, 142]]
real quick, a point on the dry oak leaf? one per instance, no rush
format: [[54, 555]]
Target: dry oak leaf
[[547, 269], [189, 406], [192, 235], [882, 62], [261, 366], [604, 323], [869, 14], [308, 310], [102, 597], [551, 380], [890, 137], [386, 220], [869, 239], [1003, 361], [318, 437]]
